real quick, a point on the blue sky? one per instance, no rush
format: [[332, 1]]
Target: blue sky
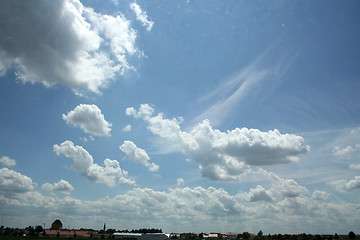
[[190, 116]]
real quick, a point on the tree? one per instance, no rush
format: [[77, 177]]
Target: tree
[[246, 235], [39, 229], [352, 235]]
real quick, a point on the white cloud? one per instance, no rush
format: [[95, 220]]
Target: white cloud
[[12, 182], [287, 188], [224, 155], [354, 166], [145, 111], [257, 194], [320, 195], [347, 150], [127, 128], [89, 118], [110, 175], [91, 138], [349, 186], [61, 186], [7, 162], [141, 16], [68, 43], [280, 189], [182, 209], [138, 155], [355, 130], [180, 182], [255, 80]]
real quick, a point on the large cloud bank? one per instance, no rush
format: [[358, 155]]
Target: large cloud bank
[[224, 155], [64, 42], [181, 209], [110, 175]]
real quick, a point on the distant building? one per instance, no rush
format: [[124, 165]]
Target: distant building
[[70, 233], [141, 236], [189, 235], [229, 235], [56, 225]]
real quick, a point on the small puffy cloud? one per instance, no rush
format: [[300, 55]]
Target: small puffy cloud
[[12, 182], [349, 186], [347, 150], [91, 138], [354, 166], [355, 130], [320, 195], [89, 118], [127, 128], [223, 155], [68, 43], [180, 182], [110, 175], [257, 194], [61, 186], [141, 16], [287, 188], [145, 111], [138, 155], [7, 162]]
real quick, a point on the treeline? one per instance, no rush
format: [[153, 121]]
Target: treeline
[[30, 231], [143, 230]]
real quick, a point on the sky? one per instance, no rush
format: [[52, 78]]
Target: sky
[[189, 116]]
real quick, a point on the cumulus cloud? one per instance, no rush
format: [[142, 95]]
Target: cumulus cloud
[[68, 43], [12, 182], [89, 118], [280, 189], [141, 16], [127, 128], [62, 186], [110, 175], [223, 155], [349, 186], [183, 209], [145, 111], [347, 150], [287, 188], [7, 162], [354, 166], [138, 155], [257, 194], [320, 195], [180, 182]]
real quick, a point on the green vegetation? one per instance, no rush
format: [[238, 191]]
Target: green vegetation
[[37, 233]]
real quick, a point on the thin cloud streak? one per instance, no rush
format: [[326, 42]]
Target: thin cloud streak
[[250, 80]]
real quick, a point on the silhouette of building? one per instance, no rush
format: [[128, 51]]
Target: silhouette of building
[[56, 225]]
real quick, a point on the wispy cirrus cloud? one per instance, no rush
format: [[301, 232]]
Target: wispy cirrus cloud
[[256, 79]]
